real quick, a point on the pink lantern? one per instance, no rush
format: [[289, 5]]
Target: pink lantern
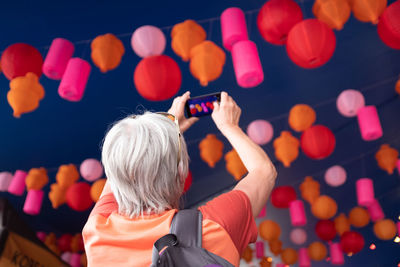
[[33, 202], [398, 228], [280, 265], [336, 254], [349, 102], [263, 212], [233, 27], [5, 180], [260, 131], [41, 236], [298, 236], [74, 80], [17, 184], [75, 260], [55, 63], [297, 213], [365, 192], [259, 249], [148, 41], [247, 65], [66, 256], [304, 259], [369, 123], [91, 169], [398, 166], [335, 176], [375, 211]]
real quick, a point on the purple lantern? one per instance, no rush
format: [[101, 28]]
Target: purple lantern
[[55, 63], [233, 27], [74, 80]]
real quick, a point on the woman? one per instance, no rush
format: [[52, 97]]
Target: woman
[[146, 161]]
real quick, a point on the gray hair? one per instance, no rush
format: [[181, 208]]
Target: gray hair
[[140, 157]]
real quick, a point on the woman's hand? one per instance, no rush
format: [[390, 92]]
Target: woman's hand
[[226, 114], [178, 110]]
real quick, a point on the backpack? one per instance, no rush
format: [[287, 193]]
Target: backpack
[[182, 247]]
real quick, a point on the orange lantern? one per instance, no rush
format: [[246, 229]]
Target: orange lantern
[[67, 175], [185, 36], [368, 10], [342, 224], [397, 87], [206, 62], [301, 117], [317, 251], [36, 179], [289, 256], [84, 259], [25, 94], [359, 217], [309, 189], [385, 229], [107, 52], [335, 13], [269, 230], [324, 207], [97, 188], [57, 195], [387, 158], [266, 262], [211, 150], [275, 246], [234, 165], [286, 148], [77, 243], [247, 254], [50, 239]]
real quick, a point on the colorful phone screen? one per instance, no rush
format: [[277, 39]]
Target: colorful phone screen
[[201, 105]]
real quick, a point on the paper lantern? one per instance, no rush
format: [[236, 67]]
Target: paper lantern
[[148, 41], [157, 78], [5, 180], [211, 149], [96, 189], [259, 249], [265, 262], [247, 254], [318, 142], [19, 59], [67, 175], [385, 229], [317, 251], [368, 10], [233, 27], [335, 176], [281, 196], [324, 207], [91, 169], [50, 239], [269, 230], [188, 182], [388, 26], [351, 242], [57, 195], [301, 117], [398, 166], [276, 18], [297, 213], [309, 189], [185, 36], [64, 242], [234, 165], [325, 230], [280, 265], [206, 62], [247, 64], [75, 260], [398, 228], [334, 13], [369, 123], [298, 236], [349, 102], [17, 184], [386, 158], [33, 202], [375, 211], [304, 259], [358, 217], [286, 148], [365, 192], [84, 260], [74, 80], [342, 224], [260, 131], [397, 86], [66, 256], [55, 63], [289, 256], [336, 254], [36, 178], [275, 246], [77, 243], [107, 52], [41, 235], [78, 196], [262, 213], [310, 43], [25, 94]]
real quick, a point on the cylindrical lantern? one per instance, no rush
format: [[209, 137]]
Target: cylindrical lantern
[[298, 236], [280, 265], [91, 169], [73, 82], [17, 185], [398, 166], [260, 131], [75, 260], [247, 65], [297, 213], [389, 25], [365, 192], [5, 180], [55, 63], [33, 202], [349, 102], [259, 249], [233, 27], [304, 259], [263, 212], [375, 211], [369, 123], [336, 254], [398, 228], [148, 41], [335, 176]]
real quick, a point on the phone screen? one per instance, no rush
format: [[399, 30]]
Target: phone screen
[[201, 105]]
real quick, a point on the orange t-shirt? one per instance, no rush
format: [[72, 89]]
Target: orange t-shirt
[[115, 240]]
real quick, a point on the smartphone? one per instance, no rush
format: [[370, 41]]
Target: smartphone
[[203, 105]]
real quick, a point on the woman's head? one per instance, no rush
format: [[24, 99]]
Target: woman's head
[[140, 158]]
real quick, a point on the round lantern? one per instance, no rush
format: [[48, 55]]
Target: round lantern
[[260, 131], [301, 117], [317, 142], [368, 10], [157, 78], [342, 224], [389, 25], [325, 230], [317, 251], [351, 242], [269, 230], [97, 188], [66, 256], [275, 246], [385, 229], [188, 182], [324, 207], [91, 169], [78, 196], [358, 217], [349, 102], [64, 242], [148, 41], [310, 43], [289, 256], [298, 236], [335, 176], [334, 13], [276, 18], [281, 196], [233, 27]]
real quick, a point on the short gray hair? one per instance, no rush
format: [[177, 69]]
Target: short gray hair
[[140, 157]]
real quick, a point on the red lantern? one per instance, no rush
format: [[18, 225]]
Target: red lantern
[[188, 182], [276, 18], [310, 43], [78, 196], [281, 196], [19, 59], [325, 230], [351, 242], [157, 78], [389, 25], [64, 242], [317, 142]]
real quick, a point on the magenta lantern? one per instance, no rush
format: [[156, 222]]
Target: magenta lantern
[[297, 213], [375, 211], [17, 184], [75, 260], [365, 192], [148, 41], [259, 249], [260, 131], [5, 180], [55, 63], [369, 123], [280, 265], [41, 236], [233, 27], [398, 228], [33, 202], [263, 212], [66, 256], [335, 176], [398, 166], [304, 259], [247, 65], [73, 82], [389, 25], [298, 236], [336, 254], [349, 102], [91, 169]]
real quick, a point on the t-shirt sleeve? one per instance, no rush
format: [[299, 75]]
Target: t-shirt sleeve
[[233, 212], [105, 205]]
